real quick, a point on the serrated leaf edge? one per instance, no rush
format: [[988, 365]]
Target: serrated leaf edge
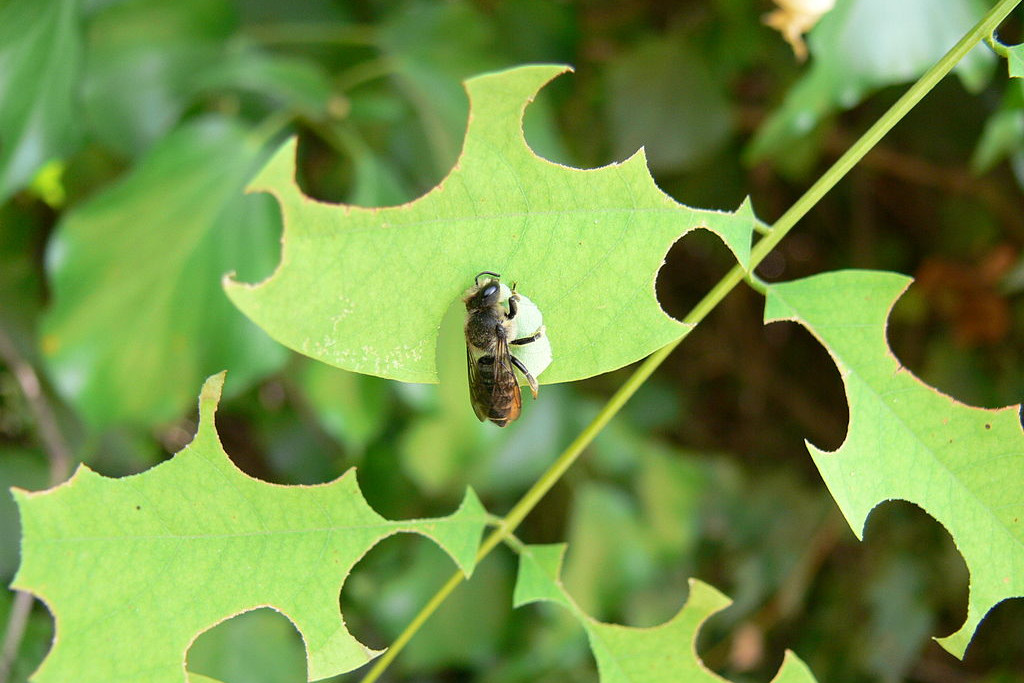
[[791, 665], [957, 642]]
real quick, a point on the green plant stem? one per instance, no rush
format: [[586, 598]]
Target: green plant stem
[[785, 223]]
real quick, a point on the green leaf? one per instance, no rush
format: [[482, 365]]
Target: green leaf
[[144, 61], [40, 54], [864, 45], [366, 289], [634, 655], [138, 318], [293, 82], [1003, 135], [134, 568], [1013, 54], [964, 466], [1015, 57]]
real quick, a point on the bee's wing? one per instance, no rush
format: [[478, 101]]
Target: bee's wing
[[479, 395], [506, 385]]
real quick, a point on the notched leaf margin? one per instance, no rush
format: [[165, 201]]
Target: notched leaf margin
[[994, 553], [352, 334], [617, 647], [35, 573]]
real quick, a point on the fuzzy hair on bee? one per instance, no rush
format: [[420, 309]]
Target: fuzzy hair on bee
[[492, 327]]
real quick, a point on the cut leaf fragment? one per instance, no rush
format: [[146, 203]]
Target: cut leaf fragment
[[665, 653], [366, 289], [134, 569], [962, 465]]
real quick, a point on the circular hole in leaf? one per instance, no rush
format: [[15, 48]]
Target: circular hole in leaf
[[261, 646]]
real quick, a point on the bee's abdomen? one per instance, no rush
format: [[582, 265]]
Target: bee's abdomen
[[485, 369], [497, 400]]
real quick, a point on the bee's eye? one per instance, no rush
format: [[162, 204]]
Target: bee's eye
[[490, 290]]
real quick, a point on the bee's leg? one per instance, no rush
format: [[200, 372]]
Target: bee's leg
[[513, 307], [526, 373], [532, 338]]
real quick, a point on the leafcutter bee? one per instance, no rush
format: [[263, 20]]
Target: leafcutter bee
[[490, 329]]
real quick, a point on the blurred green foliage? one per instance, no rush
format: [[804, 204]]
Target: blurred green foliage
[[704, 475]]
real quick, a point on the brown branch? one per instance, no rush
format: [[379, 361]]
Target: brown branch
[[16, 622], [54, 444]]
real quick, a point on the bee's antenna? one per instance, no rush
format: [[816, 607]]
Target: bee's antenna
[[485, 272]]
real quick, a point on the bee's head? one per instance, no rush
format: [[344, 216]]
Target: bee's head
[[490, 292], [485, 294]]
